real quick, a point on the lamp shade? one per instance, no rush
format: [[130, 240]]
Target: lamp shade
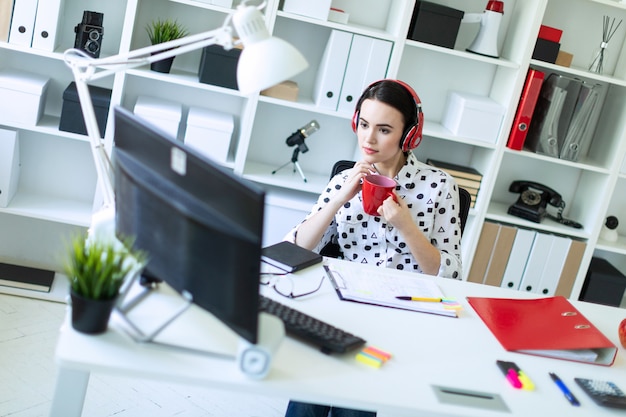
[[265, 60]]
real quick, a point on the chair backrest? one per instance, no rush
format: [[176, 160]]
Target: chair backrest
[[465, 199], [340, 166]]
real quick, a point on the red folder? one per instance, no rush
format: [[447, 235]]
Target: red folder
[[549, 327], [525, 109]]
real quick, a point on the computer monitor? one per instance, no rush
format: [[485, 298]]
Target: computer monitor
[[200, 224]]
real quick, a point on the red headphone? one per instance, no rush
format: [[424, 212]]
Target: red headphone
[[413, 135]]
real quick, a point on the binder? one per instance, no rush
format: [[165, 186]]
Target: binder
[[554, 265], [9, 165], [367, 63], [331, 71], [570, 269], [484, 248], [23, 22], [582, 124], [6, 11], [500, 255], [354, 76], [46, 24], [544, 133], [517, 261], [525, 109], [537, 259], [550, 327]]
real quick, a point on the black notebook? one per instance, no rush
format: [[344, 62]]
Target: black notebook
[[289, 257], [26, 278]]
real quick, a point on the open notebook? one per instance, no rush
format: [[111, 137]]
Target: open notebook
[[378, 286]]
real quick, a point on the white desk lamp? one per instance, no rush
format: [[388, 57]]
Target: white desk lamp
[[264, 61]]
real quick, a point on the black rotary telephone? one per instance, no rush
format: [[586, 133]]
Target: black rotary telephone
[[533, 200]]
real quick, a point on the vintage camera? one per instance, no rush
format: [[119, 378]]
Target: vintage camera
[[89, 33]]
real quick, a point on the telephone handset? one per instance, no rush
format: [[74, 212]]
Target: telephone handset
[[533, 200]]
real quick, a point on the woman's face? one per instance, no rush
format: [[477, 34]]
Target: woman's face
[[380, 127]]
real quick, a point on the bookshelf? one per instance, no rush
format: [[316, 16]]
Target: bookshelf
[[56, 194]]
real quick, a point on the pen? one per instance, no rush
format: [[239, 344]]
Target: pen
[[428, 299], [568, 394]]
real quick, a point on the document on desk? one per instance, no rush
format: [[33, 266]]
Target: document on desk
[[379, 287], [549, 326]]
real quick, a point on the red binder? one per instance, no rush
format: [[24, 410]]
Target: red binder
[[550, 327], [525, 109]]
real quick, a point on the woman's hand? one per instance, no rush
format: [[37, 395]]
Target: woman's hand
[[353, 184], [396, 212]]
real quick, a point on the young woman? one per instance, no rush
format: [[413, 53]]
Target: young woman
[[417, 231]]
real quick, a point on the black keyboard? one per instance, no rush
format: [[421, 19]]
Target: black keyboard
[[309, 329]]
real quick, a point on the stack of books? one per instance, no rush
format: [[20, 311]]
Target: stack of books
[[466, 177]]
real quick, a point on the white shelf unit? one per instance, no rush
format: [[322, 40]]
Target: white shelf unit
[[56, 191]]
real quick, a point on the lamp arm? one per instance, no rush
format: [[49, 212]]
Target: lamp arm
[[84, 69]]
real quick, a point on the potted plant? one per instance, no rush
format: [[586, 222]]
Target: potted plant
[[164, 30], [96, 271]]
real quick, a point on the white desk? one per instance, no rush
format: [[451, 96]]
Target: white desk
[[458, 353]]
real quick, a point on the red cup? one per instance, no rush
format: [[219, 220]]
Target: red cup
[[375, 190]]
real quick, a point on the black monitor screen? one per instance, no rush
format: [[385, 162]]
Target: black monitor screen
[[200, 224]]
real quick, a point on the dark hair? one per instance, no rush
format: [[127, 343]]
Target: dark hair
[[394, 94]]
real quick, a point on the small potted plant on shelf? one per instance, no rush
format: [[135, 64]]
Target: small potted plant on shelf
[[164, 30], [96, 271]]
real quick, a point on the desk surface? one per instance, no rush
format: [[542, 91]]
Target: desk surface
[[428, 350]]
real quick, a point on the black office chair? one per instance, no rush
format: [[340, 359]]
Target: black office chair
[[465, 201]]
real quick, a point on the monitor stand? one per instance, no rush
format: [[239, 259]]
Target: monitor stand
[[253, 360]]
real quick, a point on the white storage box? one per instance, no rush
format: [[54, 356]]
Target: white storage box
[[23, 96], [473, 116], [316, 9], [9, 165], [209, 132], [164, 114]]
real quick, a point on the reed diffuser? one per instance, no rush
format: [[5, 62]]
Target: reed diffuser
[[608, 30]]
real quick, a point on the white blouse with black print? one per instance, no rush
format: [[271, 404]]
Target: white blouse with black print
[[431, 194]]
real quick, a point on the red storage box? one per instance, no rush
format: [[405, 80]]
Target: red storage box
[[550, 34]]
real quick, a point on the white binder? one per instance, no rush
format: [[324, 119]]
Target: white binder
[[46, 24], [536, 262], [9, 165], [367, 63], [23, 22], [554, 265], [517, 260], [330, 73]]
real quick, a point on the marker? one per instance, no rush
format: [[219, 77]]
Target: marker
[[508, 369], [568, 394], [427, 299]]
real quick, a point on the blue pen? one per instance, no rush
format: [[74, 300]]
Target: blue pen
[[568, 394]]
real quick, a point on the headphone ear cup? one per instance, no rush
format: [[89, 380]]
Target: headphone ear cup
[[407, 139], [355, 121], [414, 136]]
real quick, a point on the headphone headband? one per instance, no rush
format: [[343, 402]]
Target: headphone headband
[[413, 133]]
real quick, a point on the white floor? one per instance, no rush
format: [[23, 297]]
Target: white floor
[[28, 334]]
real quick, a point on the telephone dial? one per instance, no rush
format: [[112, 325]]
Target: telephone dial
[[533, 200]]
